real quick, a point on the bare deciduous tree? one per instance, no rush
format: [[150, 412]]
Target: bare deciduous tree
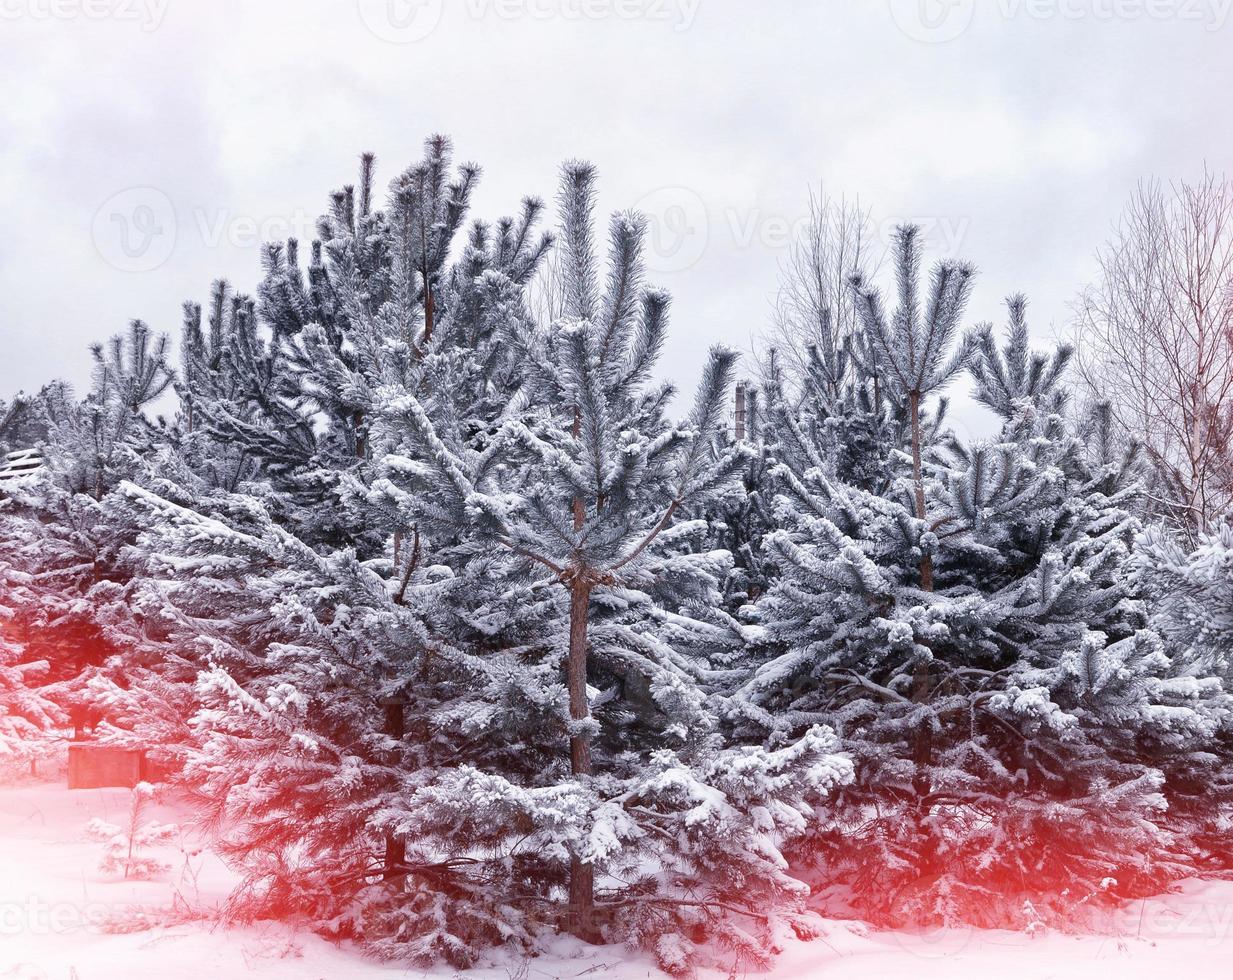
[[815, 305], [546, 294], [1154, 339]]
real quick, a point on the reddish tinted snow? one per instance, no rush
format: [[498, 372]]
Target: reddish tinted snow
[[61, 918]]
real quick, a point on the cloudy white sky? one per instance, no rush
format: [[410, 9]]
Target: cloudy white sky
[[147, 145]]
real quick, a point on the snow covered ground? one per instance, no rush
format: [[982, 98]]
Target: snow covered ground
[[62, 918]]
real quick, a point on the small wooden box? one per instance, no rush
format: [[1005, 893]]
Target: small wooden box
[[92, 766]]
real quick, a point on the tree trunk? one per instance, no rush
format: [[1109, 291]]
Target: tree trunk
[[926, 563], [922, 754], [582, 901], [740, 411], [395, 847], [576, 675], [581, 874], [576, 668], [429, 310]]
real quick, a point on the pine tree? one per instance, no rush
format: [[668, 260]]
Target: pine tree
[[1190, 602], [914, 357], [21, 421], [970, 634], [740, 514], [581, 493], [380, 303], [61, 549]]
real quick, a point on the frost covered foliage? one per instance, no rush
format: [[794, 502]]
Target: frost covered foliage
[[1192, 593], [99, 440], [28, 718], [126, 848], [63, 555], [971, 635], [265, 669], [739, 516], [22, 422], [58, 550], [461, 639], [279, 391], [639, 820], [411, 594]]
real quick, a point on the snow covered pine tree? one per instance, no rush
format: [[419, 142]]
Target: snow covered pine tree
[[970, 634], [1192, 601], [352, 576], [577, 487], [64, 556]]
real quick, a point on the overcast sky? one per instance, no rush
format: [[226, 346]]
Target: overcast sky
[[147, 145]]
